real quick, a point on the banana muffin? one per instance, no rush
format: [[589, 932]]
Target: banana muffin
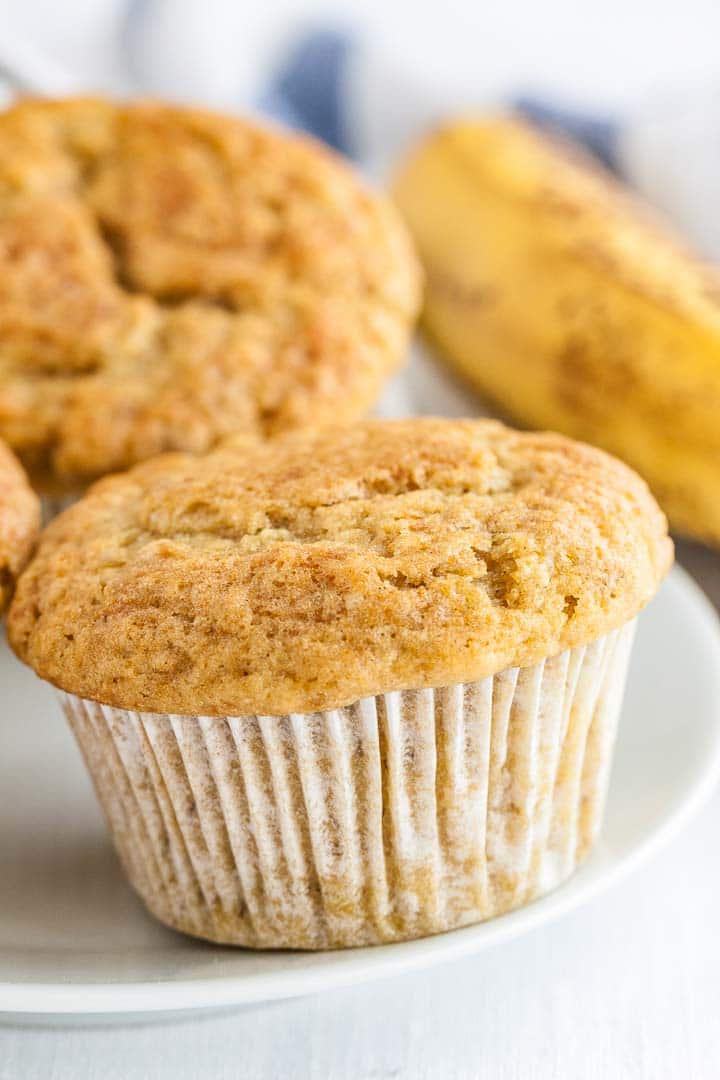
[[19, 522], [169, 276], [347, 686]]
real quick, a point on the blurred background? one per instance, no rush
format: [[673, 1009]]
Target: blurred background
[[649, 71], [610, 54]]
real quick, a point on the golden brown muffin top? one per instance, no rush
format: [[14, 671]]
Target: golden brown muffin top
[[169, 276], [19, 522], [318, 568]]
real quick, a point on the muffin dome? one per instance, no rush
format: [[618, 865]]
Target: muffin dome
[[19, 522], [169, 276], [321, 567]]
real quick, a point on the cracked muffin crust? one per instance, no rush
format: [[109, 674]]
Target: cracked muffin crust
[[169, 276], [321, 567], [19, 522]]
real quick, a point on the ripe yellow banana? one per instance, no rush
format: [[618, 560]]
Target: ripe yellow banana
[[565, 302]]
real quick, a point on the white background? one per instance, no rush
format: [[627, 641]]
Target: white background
[[626, 988], [609, 53]]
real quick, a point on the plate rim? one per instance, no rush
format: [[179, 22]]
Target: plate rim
[[128, 999]]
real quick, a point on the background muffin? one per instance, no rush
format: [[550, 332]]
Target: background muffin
[[374, 672], [19, 522], [168, 276]]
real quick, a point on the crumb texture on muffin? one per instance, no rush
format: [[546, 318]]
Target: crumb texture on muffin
[[169, 276], [319, 568], [19, 521]]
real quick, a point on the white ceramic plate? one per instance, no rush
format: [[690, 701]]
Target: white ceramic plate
[[73, 939]]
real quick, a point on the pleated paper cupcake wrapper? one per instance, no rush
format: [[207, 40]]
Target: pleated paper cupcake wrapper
[[401, 815]]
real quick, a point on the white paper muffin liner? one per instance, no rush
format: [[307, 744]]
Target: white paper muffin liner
[[401, 815]]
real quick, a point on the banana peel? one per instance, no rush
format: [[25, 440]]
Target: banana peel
[[569, 305]]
